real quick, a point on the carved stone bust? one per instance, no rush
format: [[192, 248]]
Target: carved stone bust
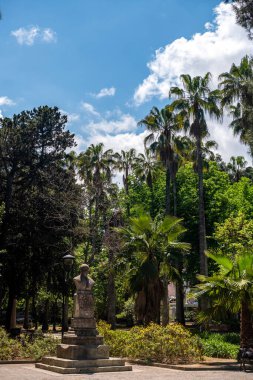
[[83, 298]]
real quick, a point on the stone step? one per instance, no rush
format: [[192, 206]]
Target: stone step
[[83, 369], [76, 352], [66, 363], [73, 339]]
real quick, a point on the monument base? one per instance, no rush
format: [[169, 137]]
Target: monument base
[[67, 366], [82, 354]]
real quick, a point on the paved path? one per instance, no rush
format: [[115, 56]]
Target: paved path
[[29, 372]]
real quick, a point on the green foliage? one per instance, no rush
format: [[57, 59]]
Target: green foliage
[[235, 235], [170, 344], [39, 346], [151, 243], [240, 198], [25, 346], [10, 348], [128, 312], [220, 345]]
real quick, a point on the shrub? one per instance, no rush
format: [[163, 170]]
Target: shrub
[[170, 344], [220, 345], [26, 346], [10, 348]]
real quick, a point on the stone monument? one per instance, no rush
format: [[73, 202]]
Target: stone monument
[[82, 350]]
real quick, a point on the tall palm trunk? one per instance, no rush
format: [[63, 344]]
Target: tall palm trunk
[[127, 192], [167, 199], [174, 196], [165, 280], [165, 304], [246, 329], [180, 294], [202, 222], [203, 302], [179, 266]]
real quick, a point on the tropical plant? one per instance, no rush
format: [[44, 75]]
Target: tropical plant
[[237, 86], [152, 243], [231, 289], [125, 163], [236, 167], [163, 126], [244, 14], [193, 102], [96, 170], [145, 168]]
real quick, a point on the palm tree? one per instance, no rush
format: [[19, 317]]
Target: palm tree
[[125, 163], [237, 86], [193, 102], [152, 242], [207, 153], [96, 169], [231, 289], [236, 167], [164, 141], [164, 126], [145, 168]]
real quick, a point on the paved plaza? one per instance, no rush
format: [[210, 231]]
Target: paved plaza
[[29, 372]]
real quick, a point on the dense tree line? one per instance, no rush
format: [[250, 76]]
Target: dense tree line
[[175, 200]]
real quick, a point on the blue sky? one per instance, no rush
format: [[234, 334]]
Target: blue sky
[[99, 60]]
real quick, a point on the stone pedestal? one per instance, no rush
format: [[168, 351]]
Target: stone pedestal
[[82, 350]]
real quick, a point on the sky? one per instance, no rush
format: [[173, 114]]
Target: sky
[[105, 63]]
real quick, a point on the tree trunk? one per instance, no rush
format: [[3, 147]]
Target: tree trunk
[[203, 301], [152, 203], [11, 297], [180, 318], [246, 329], [165, 303], [174, 197], [127, 192], [167, 200], [111, 299], [26, 316], [13, 323], [45, 316], [34, 312], [55, 313], [202, 222]]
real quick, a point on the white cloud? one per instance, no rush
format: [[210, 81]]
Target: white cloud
[[89, 108], [121, 141], [105, 92], [48, 35], [27, 36], [215, 50], [81, 144], [72, 117], [125, 123], [5, 101], [229, 145]]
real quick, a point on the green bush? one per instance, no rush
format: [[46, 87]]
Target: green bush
[[10, 348], [34, 347], [220, 345], [170, 344]]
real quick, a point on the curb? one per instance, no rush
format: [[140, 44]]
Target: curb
[[18, 361], [201, 366]]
